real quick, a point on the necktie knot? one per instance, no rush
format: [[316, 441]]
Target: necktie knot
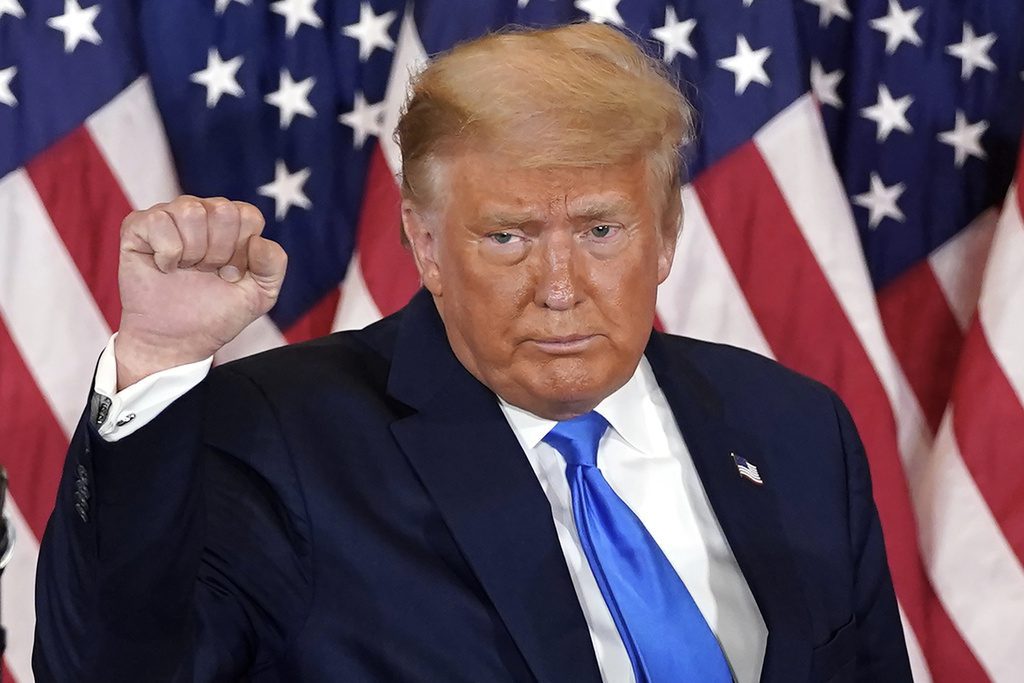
[[577, 439]]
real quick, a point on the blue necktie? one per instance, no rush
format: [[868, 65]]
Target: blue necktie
[[665, 634]]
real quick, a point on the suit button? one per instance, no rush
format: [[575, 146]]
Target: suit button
[[83, 511]]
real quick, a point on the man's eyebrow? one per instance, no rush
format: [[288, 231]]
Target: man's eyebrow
[[599, 207], [507, 218]]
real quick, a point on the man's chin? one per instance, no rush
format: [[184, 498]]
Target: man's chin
[[565, 400]]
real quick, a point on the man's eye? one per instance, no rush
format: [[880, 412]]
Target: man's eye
[[502, 237], [601, 231]]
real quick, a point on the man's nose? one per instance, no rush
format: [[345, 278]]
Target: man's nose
[[558, 286]]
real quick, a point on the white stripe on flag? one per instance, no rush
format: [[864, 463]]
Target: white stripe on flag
[[48, 308], [19, 608], [959, 264], [1000, 308], [356, 308], [128, 131], [410, 56], [701, 297], [918, 664]]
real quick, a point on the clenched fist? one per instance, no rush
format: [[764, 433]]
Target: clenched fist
[[193, 274]]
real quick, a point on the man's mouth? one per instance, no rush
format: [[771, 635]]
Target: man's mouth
[[564, 345]]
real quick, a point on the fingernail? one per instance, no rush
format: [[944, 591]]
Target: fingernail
[[230, 273]]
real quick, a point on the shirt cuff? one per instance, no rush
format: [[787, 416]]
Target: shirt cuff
[[120, 413]]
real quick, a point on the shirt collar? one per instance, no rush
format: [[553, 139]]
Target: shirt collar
[[624, 410]]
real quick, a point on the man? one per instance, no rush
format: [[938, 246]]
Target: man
[[512, 479]]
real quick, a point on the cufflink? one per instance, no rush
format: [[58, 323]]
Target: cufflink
[[99, 408]]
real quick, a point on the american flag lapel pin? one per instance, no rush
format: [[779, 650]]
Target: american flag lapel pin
[[747, 469]]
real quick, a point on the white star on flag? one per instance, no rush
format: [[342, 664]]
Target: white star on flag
[[222, 5], [824, 85], [219, 77], [12, 7], [880, 201], [965, 138], [296, 13], [748, 3], [747, 65], [286, 190], [76, 24], [364, 120], [675, 35], [889, 114], [6, 96], [827, 9], [371, 31], [292, 98], [898, 26], [601, 11], [972, 51]]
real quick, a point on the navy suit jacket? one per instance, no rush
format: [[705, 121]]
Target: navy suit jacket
[[357, 508]]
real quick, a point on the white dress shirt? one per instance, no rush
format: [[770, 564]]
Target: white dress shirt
[[644, 459]]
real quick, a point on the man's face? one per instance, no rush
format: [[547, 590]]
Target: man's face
[[545, 278]]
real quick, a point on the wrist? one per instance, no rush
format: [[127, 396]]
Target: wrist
[[138, 356]]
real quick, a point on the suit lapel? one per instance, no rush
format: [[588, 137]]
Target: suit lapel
[[473, 467], [748, 513]]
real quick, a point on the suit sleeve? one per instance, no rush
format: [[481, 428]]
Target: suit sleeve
[[167, 559], [881, 649]]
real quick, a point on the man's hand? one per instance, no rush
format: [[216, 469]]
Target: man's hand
[[193, 273]]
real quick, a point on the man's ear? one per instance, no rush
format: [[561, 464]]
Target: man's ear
[[671, 226], [421, 232]]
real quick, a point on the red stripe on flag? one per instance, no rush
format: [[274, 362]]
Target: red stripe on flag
[[34, 444], [924, 335], [86, 204], [990, 433], [317, 321], [388, 268], [776, 271]]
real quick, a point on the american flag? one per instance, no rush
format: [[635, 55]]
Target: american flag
[[852, 212], [747, 469]]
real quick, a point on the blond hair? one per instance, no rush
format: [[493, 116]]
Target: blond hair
[[578, 95]]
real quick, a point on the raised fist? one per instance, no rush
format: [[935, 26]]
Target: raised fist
[[193, 274]]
